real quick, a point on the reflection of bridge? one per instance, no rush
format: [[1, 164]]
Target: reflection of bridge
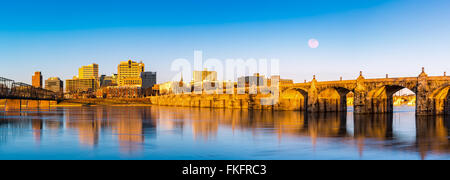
[[20, 95], [366, 131], [374, 95]]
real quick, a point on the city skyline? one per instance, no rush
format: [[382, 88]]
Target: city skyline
[[235, 80], [378, 37]]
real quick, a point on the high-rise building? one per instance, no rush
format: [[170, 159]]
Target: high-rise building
[[37, 79], [87, 79], [148, 79], [54, 84], [129, 73], [88, 72], [205, 75]]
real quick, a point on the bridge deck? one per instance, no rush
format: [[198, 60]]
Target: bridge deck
[[430, 78], [9, 89]]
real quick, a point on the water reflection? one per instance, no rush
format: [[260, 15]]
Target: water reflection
[[136, 130], [129, 125], [432, 135]]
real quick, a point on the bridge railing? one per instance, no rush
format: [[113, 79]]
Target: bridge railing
[[5, 87], [17, 90]]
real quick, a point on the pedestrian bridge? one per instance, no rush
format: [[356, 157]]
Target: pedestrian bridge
[[17, 95], [373, 95]]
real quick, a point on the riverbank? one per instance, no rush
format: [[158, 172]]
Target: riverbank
[[143, 102], [105, 102]]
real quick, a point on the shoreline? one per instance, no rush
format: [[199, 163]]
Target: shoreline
[[104, 102], [142, 102]]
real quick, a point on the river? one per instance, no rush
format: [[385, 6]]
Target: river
[[174, 133]]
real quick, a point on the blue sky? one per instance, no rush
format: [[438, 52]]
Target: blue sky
[[376, 36]]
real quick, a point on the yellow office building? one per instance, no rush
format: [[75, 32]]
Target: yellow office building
[[129, 73], [80, 85], [87, 80], [88, 72]]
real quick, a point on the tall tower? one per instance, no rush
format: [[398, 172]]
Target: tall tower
[[37, 79]]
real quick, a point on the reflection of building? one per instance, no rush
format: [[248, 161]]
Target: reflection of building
[[129, 73], [88, 128], [432, 134], [37, 125], [129, 128], [37, 79], [54, 84], [88, 72]]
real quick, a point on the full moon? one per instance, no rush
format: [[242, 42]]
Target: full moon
[[313, 43]]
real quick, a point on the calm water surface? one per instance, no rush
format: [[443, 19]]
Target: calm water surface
[[192, 133]]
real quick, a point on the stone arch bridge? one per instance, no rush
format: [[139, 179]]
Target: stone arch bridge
[[374, 95]]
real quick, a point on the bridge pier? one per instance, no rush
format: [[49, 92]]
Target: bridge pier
[[380, 105], [447, 104], [13, 105], [360, 93], [32, 104], [43, 104], [23, 103], [20, 104], [313, 97], [424, 103]]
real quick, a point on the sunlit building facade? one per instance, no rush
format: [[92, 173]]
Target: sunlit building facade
[[106, 81], [54, 84], [80, 85], [87, 80], [88, 72], [129, 73], [37, 79]]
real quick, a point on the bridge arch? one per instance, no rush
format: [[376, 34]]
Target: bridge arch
[[440, 99], [333, 99], [381, 98], [294, 99]]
